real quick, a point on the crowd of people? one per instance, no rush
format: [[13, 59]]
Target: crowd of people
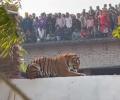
[[93, 23]]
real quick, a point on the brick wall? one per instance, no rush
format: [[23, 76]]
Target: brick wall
[[93, 53]]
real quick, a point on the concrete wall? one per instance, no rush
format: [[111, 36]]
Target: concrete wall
[[69, 88], [93, 53]]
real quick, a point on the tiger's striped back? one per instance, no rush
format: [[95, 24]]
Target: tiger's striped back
[[42, 67]]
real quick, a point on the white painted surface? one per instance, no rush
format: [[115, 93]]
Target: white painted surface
[[63, 6], [69, 88]]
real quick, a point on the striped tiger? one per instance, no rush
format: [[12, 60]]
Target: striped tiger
[[59, 66]]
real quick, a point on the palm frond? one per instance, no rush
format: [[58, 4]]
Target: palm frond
[[116, 32], [8, 30]]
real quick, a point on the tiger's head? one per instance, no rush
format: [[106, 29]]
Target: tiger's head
[[72, 61]]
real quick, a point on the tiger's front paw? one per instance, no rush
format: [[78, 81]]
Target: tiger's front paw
[[82, 74]]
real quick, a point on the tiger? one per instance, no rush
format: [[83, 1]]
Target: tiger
[[59, 66]]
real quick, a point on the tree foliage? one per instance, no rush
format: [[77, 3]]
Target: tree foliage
[[8, 26], [116, 32]]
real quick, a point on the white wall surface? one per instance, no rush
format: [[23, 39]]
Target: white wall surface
[[69, 88], [52, 6]]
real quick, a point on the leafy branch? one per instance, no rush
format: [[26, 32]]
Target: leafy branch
[[8, 26], [116, 32]]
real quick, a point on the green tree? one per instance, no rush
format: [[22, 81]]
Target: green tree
[[8, 27], [116, 32], [9, 39]]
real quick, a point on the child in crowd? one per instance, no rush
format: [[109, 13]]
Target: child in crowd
[[58, 33], [83, 33], [76, 35]]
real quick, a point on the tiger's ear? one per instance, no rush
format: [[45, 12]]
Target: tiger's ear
[[68, 55], [72, 55]]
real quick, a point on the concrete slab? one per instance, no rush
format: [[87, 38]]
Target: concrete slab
[[69, 88]]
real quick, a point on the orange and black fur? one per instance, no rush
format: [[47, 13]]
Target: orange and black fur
[[58, 66]]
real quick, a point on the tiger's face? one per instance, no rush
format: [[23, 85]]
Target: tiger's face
[[73, 62]]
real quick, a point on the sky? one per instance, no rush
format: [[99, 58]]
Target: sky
[[63, 6]]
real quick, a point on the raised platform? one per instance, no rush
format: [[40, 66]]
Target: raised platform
[[71, 42], [69, 88], [94, 53]]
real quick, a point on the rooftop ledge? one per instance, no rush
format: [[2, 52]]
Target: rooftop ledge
[[71, 42], [66, 88]]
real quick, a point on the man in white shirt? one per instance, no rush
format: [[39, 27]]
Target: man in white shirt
[[68, 21], [83, 19], [68, 24], [60, 21], [60, 24]]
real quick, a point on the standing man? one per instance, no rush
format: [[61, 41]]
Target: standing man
[[68, 24]]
